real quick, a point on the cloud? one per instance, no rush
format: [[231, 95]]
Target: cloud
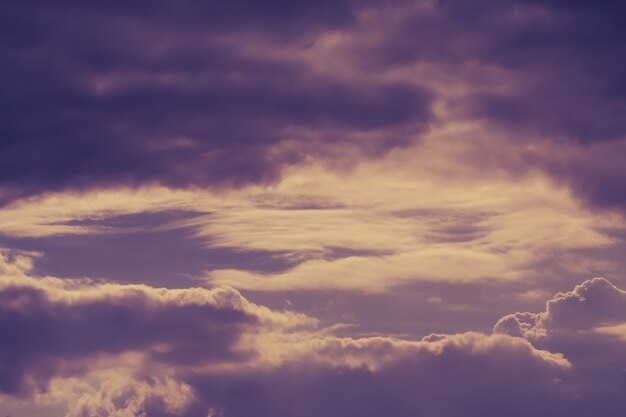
[[138, 350], [435, 377], [446, 375], [618, 330], [366, 377], [586, 325], [414, 222], [377, 273], [232, 93], [56, 328], [179, 97], [151, 398], [590, 305], [355, 146]]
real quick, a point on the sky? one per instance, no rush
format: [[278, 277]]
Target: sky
[[339, 208]]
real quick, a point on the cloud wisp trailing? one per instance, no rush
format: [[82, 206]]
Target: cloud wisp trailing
[[317, 225]]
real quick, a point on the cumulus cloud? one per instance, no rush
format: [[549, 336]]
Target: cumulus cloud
[[150, 398], [198, 352], [594, 303], [445, 375], [53, 327], [586, 325], [344, 377], [373, 377]]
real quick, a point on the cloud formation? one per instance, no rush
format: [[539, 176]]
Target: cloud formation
[[54, 328], [586, 325], [172, 96], [432, 377], [230, 93], [198, 352], [412, 224], [592, 304], [151, 398], [457, 159]]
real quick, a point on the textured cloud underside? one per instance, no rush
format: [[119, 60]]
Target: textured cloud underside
[[195, 351]]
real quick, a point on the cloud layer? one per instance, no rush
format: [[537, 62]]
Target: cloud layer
[[226, 94], [56, 328], [195, 352], [317, 186]]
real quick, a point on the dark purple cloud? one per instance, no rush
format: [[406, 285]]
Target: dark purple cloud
[[548, 72], [435, 377], [104, 94], [446, 375], [49, 332], [467, 374], [202, 93], [563, 62], [560, 362], [559, 81], [575, 323]]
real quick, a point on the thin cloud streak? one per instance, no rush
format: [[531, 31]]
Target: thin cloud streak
[[396, 221]]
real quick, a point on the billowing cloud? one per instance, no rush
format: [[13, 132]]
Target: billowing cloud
[[590, 305], [431, 377], [179, 97], [53, 327], [197, 352], [366, 377], [152, 398], [586, 325], [231, 93]]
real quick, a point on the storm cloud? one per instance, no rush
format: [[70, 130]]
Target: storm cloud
[[115, 94], [229, 93]]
